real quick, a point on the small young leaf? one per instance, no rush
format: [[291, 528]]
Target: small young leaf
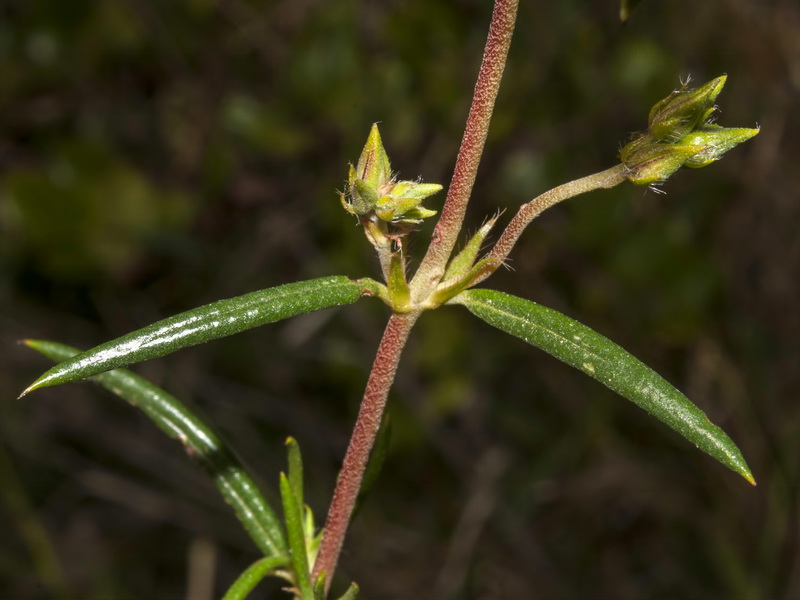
[[598, 357], [351, 593], [201, 443], [293, 516], [209, 322], [251, 576], [450, 288], [319, 587], [464, 260], [295, 468], [398, 286]]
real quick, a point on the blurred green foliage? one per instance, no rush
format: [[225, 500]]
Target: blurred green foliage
[[158, 155]]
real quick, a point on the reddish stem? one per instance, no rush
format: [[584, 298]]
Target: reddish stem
[[469, 155], [528, 212], [361, 442]]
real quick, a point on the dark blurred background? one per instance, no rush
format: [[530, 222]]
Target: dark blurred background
[[157, 155]]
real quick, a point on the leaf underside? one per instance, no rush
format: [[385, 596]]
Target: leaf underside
[[205, 323], [600, 358]]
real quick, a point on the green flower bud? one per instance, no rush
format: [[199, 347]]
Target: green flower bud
[[373, 165], [679, 133], [368, 181], [683, 110], [403, 203], [715, 141], [653, 163], [371, 189]]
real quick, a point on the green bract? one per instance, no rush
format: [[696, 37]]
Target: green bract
[[680, 134]]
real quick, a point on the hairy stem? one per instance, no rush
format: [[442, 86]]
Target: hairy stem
[[361, 442], [528, 212], [469, 155]]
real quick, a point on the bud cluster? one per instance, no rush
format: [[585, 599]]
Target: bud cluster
[[372, 191], [680, 133]]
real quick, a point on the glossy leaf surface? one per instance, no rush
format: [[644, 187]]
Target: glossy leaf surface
[[209, 322], [200, 442], [600, 358]]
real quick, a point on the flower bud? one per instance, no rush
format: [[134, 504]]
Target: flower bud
[[679, 133], [656, 162], [372, 191], [683, 110], [368, 180], [403, 203], [373, 165], [715, 141]]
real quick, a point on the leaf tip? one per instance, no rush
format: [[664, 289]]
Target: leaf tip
[[34, 386]]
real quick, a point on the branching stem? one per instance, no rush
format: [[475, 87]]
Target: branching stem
[[528, 212], [361, 442], [469, 155], [430, 272]]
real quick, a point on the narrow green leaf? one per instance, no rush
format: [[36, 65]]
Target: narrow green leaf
[[398, 287], [451, 288], [598, 357], [201, 443], [464, 260], [251, 576], [293, 516], [209, 322], [295, 468]]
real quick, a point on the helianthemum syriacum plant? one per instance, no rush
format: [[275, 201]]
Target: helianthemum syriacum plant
[[680, 132]]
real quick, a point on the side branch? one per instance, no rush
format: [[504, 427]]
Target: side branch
[[361, 442], [528, 212], [469, 155]]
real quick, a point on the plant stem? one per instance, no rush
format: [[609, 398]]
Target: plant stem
[[528, 212], [469, 155], [361, 442]]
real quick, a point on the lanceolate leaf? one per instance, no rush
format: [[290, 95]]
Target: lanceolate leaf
[[201, 443], [295, 468], [293, 515], [209, 322], [587, 350]]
